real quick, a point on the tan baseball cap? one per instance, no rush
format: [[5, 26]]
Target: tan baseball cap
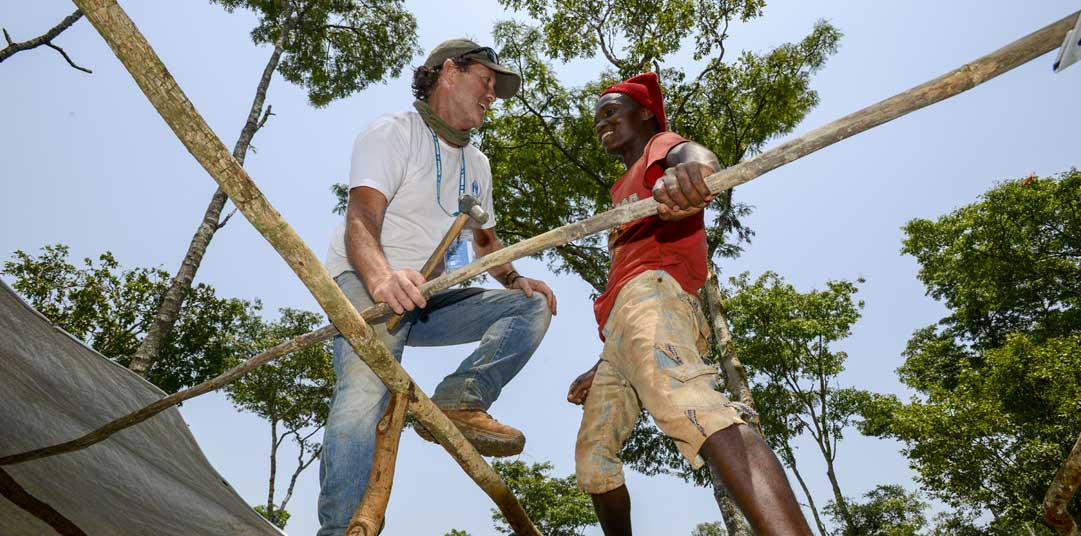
[[507, 81]]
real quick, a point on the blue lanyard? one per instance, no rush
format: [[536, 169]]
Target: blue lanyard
[[439, 175]]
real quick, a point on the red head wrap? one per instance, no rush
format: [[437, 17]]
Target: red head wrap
[[645, 89]]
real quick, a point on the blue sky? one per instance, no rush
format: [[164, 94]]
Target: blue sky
[[85, 161]]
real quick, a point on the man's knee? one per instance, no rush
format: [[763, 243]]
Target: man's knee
[[597, 469], [537, 310], [596, 482]]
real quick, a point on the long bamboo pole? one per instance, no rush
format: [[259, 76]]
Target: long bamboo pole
[[957, 81], [169, 100]]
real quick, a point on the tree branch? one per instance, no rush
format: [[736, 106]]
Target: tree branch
[[44, 39], [68, 58]]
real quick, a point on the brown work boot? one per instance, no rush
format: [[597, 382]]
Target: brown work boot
[[489, 436]]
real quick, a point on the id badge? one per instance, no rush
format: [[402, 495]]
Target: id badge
[[457, 254]]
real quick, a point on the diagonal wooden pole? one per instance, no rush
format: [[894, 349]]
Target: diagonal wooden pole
[[165, 94], [957, 81]]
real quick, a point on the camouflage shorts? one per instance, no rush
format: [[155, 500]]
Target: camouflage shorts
[[652, 358]]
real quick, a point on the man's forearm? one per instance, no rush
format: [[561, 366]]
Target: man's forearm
[[364, 251]]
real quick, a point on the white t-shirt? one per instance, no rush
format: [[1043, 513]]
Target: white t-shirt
[[396, 156]]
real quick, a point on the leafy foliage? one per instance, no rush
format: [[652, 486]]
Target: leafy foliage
[[889, 511], [278, 517], [1000, 397], [335, 47], [556, 505], [785, 339], [110, 308], [715, 528], [292, 393]]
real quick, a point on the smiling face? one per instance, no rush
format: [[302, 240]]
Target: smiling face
[[469, 94], [622, 124]]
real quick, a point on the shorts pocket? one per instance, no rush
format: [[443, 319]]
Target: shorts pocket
[[686, 373]]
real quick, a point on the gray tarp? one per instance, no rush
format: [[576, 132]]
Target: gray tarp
[[150, 479]]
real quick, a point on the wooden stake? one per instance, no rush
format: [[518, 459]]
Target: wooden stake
[[163, 92], [370, 512], [1062, 490]]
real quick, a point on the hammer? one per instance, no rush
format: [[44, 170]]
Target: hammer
[[468, 208]]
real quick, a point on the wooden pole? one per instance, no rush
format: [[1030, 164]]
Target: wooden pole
[[14, 492], [979, 71], [163, 92], [368, 518], [435, 259], [1062, 490]]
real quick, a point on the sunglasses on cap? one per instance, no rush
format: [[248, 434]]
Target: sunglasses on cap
[[487, 51]]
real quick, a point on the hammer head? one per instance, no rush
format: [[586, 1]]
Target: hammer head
[[470, 205]]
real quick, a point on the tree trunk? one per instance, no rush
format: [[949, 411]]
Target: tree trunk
[[1062, 490], [734, 522], [839, 499], [273, 470], [790, 458], [737, 387], [152, 344], [163, 92]]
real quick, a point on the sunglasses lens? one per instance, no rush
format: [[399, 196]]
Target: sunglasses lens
[[487, 51]]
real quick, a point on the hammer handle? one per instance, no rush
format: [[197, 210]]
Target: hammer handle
[[435, 259]]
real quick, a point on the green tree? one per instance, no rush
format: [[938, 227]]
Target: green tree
[[110, 308], [999, 392], [332, 49], [278, 517], [708, 529], [556, 505], [456, 532], [890, 510], [786, 338], [292, 394]]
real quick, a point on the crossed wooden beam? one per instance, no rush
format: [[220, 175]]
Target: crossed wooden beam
[[164, 93]]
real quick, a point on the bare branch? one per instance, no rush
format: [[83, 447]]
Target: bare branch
[[225, 220], [266, 115], [44, 39], [68, 58]]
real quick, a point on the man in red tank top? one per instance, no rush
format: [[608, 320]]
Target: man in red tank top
[[655, 334]]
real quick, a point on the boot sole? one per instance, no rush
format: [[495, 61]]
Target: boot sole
[[486, 443]]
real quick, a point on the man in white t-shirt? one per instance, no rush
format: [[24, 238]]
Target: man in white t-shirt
[[408, 171]]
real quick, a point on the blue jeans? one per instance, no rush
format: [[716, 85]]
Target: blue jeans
[[509, 327]]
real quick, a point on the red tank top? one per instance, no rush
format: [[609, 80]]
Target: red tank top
[[678, 248]]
